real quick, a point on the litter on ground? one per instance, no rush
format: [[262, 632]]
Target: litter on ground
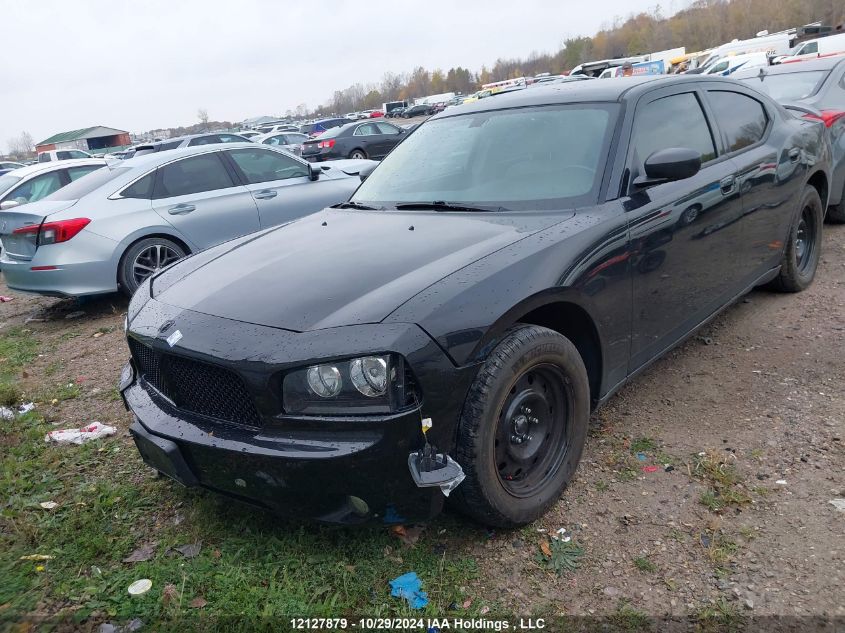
[[409, 587], [81, 435], [140, 587]]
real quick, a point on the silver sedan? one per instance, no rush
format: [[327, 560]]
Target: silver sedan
[[115, 227]]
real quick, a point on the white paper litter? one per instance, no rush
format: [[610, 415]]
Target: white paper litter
[[140, 587], [7, 413], [81, 435]]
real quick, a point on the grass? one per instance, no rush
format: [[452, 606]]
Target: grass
[[721, 617], [643, 445], [251, 563], [627, 618], [561, 556], [726, 486], [643, 564]]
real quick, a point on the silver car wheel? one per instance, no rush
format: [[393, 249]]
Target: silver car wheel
[[152, 259]]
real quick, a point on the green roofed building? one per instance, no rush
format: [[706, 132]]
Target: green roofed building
[[90, 139]]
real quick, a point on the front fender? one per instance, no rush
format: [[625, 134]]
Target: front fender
[[583, 261]]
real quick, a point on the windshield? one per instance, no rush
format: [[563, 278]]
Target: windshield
[[542, 157], [789, 86], [85, 185], [7, 181]]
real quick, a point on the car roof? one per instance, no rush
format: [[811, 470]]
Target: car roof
[[601, 90], [154, 159], [30, 170], [824, 63]]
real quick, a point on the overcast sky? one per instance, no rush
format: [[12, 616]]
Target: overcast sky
[[144, 64]]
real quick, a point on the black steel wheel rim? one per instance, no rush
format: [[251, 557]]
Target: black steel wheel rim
[[533, 430], [805, 240], [152, 259]]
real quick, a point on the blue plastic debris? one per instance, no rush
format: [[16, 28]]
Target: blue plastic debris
[[641, 457], [409, 587]]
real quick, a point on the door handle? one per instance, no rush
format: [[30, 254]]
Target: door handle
[[727, 185], [794, 154], [265, 194], [181, 209]]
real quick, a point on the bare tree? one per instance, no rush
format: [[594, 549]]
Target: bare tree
[[21, 146], [202, 115]]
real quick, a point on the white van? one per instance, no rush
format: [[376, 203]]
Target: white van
[[774, 44], [732, 63], [821, 47]]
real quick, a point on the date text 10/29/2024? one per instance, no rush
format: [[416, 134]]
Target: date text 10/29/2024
[[430, 625]]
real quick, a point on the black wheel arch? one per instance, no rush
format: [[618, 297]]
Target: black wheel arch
[[565, 312], [820, 182]]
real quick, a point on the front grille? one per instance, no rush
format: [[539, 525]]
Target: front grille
[[196, 387]]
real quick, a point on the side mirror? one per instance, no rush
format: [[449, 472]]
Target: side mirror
[[364, 173], [9, 204], [314, 171], [670, 164]]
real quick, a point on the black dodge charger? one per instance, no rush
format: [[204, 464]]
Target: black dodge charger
[[449, 329]]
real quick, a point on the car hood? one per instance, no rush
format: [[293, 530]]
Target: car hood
[[342, 267]]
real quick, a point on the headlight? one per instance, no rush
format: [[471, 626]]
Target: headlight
[[369, 375], [357, 386]]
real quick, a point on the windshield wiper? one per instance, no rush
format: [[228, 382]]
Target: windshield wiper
[[356, 205], [440, 205]]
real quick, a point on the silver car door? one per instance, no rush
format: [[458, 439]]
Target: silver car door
[[200, 198], [282, 187]]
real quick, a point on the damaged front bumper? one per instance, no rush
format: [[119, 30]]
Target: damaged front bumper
[[339, 470]]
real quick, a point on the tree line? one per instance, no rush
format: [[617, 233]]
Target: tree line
[[704, 24]]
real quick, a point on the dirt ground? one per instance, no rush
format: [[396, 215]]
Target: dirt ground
[[707, 481]]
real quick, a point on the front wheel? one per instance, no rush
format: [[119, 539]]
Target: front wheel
[[144, 258], [523, 427], [357, 153], [803, 247]]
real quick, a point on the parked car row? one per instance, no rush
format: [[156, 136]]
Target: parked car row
[[114, 228], [449, 328]]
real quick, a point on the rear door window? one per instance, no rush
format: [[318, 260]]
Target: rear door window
[[192, 175], [368, 129], [386, 128], [742, 118], [204, 140], [36, 188]]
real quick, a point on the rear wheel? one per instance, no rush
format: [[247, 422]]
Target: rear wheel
[[523, 428], [145, 258], [803, 247], [357, 153]]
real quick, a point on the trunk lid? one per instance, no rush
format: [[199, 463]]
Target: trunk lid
[[22, 246]]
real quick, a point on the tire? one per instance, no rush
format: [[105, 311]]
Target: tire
[[142, 254], [357, 153], [836, 215], [517, 458], [803, 246]]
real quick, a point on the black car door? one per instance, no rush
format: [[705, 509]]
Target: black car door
[[365, 137], [685, 236], [769, 172], [389, 137]]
